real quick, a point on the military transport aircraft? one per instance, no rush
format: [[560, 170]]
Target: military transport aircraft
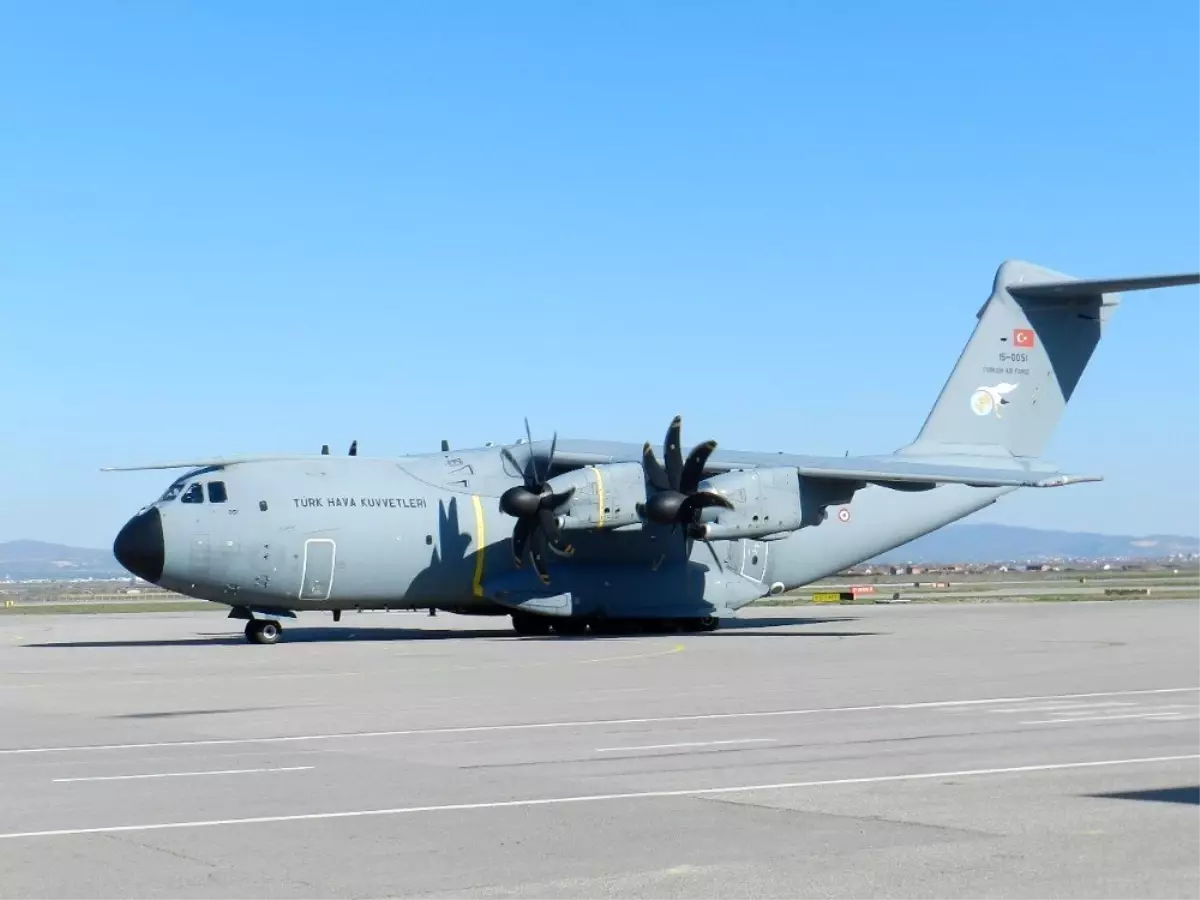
[[568, 535]]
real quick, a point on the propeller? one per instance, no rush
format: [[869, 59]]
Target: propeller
[[353, 449], [532, 504], [676, 500]]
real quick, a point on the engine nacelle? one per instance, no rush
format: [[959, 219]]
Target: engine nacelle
[[765, 502], [606, 496]]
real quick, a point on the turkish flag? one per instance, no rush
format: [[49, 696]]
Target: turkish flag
[[1023, 337]]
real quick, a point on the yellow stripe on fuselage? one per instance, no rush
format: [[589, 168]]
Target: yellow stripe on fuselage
[[599, 496], [481, 548]]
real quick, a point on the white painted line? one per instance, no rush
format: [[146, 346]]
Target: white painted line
[[686, 744], [586, 723], [1167, 714], [593, 798], [182, 774], [1059, 707], [16, 685]]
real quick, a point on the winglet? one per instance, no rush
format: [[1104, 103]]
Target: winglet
[[1061, 480]]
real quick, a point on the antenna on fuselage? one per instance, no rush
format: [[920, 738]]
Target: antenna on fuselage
[[445, 446]]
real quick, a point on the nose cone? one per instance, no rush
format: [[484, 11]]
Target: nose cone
[[139, 545]]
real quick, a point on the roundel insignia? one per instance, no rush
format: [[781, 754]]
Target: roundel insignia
[[982, 402], [843, 515]]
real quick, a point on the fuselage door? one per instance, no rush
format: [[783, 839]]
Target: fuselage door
[[316, 582]]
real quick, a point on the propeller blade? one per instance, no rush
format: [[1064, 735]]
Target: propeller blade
[[524, 470], [702, 500], [520, 539], [655, 473], [533, 505], [549, 525], [354, 448], [537, 478], [716, 558], [566, 551], [672, 454], [554, 501], [693, 469], [539, 560]]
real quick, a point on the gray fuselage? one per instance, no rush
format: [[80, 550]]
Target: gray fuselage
[[335, 533]]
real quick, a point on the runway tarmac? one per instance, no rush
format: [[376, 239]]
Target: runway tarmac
[[999, 750]]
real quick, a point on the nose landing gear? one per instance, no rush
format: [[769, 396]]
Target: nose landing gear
[[262, 631]]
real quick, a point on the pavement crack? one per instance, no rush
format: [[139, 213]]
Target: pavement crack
[[133, 842]]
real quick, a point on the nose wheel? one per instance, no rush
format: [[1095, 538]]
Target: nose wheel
[[263, 631]]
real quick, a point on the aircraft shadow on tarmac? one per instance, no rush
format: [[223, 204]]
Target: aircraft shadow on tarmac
[[1188, 794], [299, 634], [180, 713]]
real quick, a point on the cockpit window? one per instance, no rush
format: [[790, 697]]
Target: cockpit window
[[216, 492], [194, 494], [172, 492]]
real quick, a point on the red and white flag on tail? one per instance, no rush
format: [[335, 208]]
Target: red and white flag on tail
[[1023, 337]]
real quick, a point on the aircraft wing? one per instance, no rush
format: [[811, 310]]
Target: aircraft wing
[[210, 462], [1000, 471], [980, 472]]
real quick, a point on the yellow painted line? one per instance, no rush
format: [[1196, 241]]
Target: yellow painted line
[[678, 648], [599, 496], [480, 536]]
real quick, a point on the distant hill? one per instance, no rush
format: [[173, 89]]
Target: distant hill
[[21, 560], [1007, 543]]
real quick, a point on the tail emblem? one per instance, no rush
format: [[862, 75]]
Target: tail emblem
[[987, 401]]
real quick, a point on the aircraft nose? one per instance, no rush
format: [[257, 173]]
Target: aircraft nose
[[139, 545]]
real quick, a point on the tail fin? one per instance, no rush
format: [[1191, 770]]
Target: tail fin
[[1035, 336]]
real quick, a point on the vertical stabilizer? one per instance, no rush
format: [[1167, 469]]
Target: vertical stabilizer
[[1034, 337]]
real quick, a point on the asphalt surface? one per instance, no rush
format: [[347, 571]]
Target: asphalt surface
[[1006, 750]]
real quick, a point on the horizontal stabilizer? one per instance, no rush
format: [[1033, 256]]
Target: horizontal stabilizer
[[1072, 288]]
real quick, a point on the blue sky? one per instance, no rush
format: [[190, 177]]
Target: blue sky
[[258, 227]]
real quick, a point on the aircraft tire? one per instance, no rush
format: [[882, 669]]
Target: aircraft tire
[[527, 624], [708, 623], [263, 631]]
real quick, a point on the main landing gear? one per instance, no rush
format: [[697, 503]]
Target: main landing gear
[[529, 624], [263, 631]]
